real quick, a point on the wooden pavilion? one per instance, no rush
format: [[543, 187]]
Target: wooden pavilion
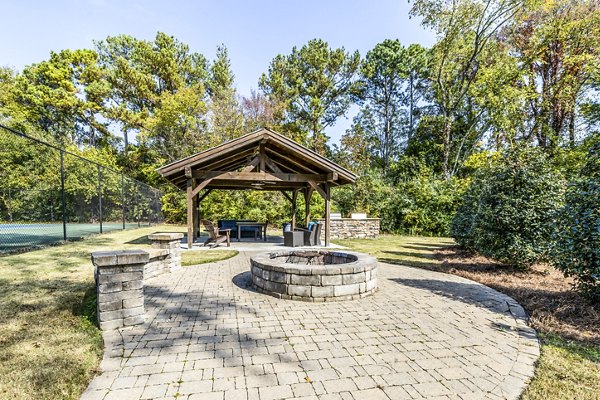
[[261, 160]]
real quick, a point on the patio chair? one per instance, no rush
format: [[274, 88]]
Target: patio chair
[[315, 235], [293, 238], [312, 235], [216, 236]]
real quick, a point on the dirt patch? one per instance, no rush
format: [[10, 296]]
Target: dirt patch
[[548, 297]]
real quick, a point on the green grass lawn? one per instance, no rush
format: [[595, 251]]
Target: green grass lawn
[[49, 344], [566, 370], [201, 257]]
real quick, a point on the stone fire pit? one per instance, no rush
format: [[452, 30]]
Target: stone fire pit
[[315, 275]]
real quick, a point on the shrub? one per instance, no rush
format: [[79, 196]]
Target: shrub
[[370, 194], [415, 202], [509, 209], [462, 223], [423, 206], [577, 249]]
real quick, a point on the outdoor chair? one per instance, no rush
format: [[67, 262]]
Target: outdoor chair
[[293, 238], [216, 236], [312, 235]]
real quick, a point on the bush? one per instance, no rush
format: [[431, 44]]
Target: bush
[[509, 209], [370, 194], [415, 203], [577, 249], [423, 206]]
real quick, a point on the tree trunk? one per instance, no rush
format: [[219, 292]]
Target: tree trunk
[[446, 149], [572, 129], [411, 108], [386, 140], [315, 137]]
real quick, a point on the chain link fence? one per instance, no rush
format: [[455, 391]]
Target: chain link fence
[[48, 195]]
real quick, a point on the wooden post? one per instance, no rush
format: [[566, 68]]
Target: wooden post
[[196, 219], [294, 197], [307, 196], [262, 155], [123, 199], [190, 213], [62, 196], [327, 212], [100, 216]]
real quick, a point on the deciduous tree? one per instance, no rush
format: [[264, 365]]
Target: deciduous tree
[[465, 29], [557, 45]]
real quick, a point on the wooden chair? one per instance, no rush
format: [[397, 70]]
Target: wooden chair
[[215, 236]]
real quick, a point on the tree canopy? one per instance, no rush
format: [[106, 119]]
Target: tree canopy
[[502, 74], [315, 82]]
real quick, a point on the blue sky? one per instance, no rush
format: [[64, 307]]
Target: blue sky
[[253, 31]]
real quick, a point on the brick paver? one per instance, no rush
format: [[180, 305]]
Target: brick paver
[[422, 335]]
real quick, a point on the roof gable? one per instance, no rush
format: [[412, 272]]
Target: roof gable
[[287, 164]]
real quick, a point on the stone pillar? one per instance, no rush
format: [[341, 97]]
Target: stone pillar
[[172, 243], [120, 287]]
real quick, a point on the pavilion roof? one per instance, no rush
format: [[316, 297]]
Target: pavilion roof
[[260, 160]]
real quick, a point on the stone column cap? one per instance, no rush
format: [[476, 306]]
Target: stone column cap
[[166, 236], [153, 253], [119, 257]]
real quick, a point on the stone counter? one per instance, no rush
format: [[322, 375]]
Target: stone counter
[[351, 228]]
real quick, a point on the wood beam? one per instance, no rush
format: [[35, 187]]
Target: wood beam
[[316, 187], [272, 165], [294, 197], [307, 196], [196, 219], [327, 213], [252, 164], [216, 152], [233, 185], [283, 167], [200, 186], [260, 176], [287, 196], [262, 154], [292, 161], [226, 160], [197, 211], [190, 213], [203, 195]]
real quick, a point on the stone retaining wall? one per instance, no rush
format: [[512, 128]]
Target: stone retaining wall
[[157, 263], [171, 243], [120, 278], [351, 228]]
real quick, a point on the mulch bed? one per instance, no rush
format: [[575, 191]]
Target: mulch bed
[[554, 307]]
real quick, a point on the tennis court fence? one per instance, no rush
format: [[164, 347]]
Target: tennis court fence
[[48, 195]]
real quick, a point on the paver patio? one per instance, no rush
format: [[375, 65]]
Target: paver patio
[[422, 335]]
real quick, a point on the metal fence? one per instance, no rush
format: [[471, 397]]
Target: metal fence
[[48, 195]]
